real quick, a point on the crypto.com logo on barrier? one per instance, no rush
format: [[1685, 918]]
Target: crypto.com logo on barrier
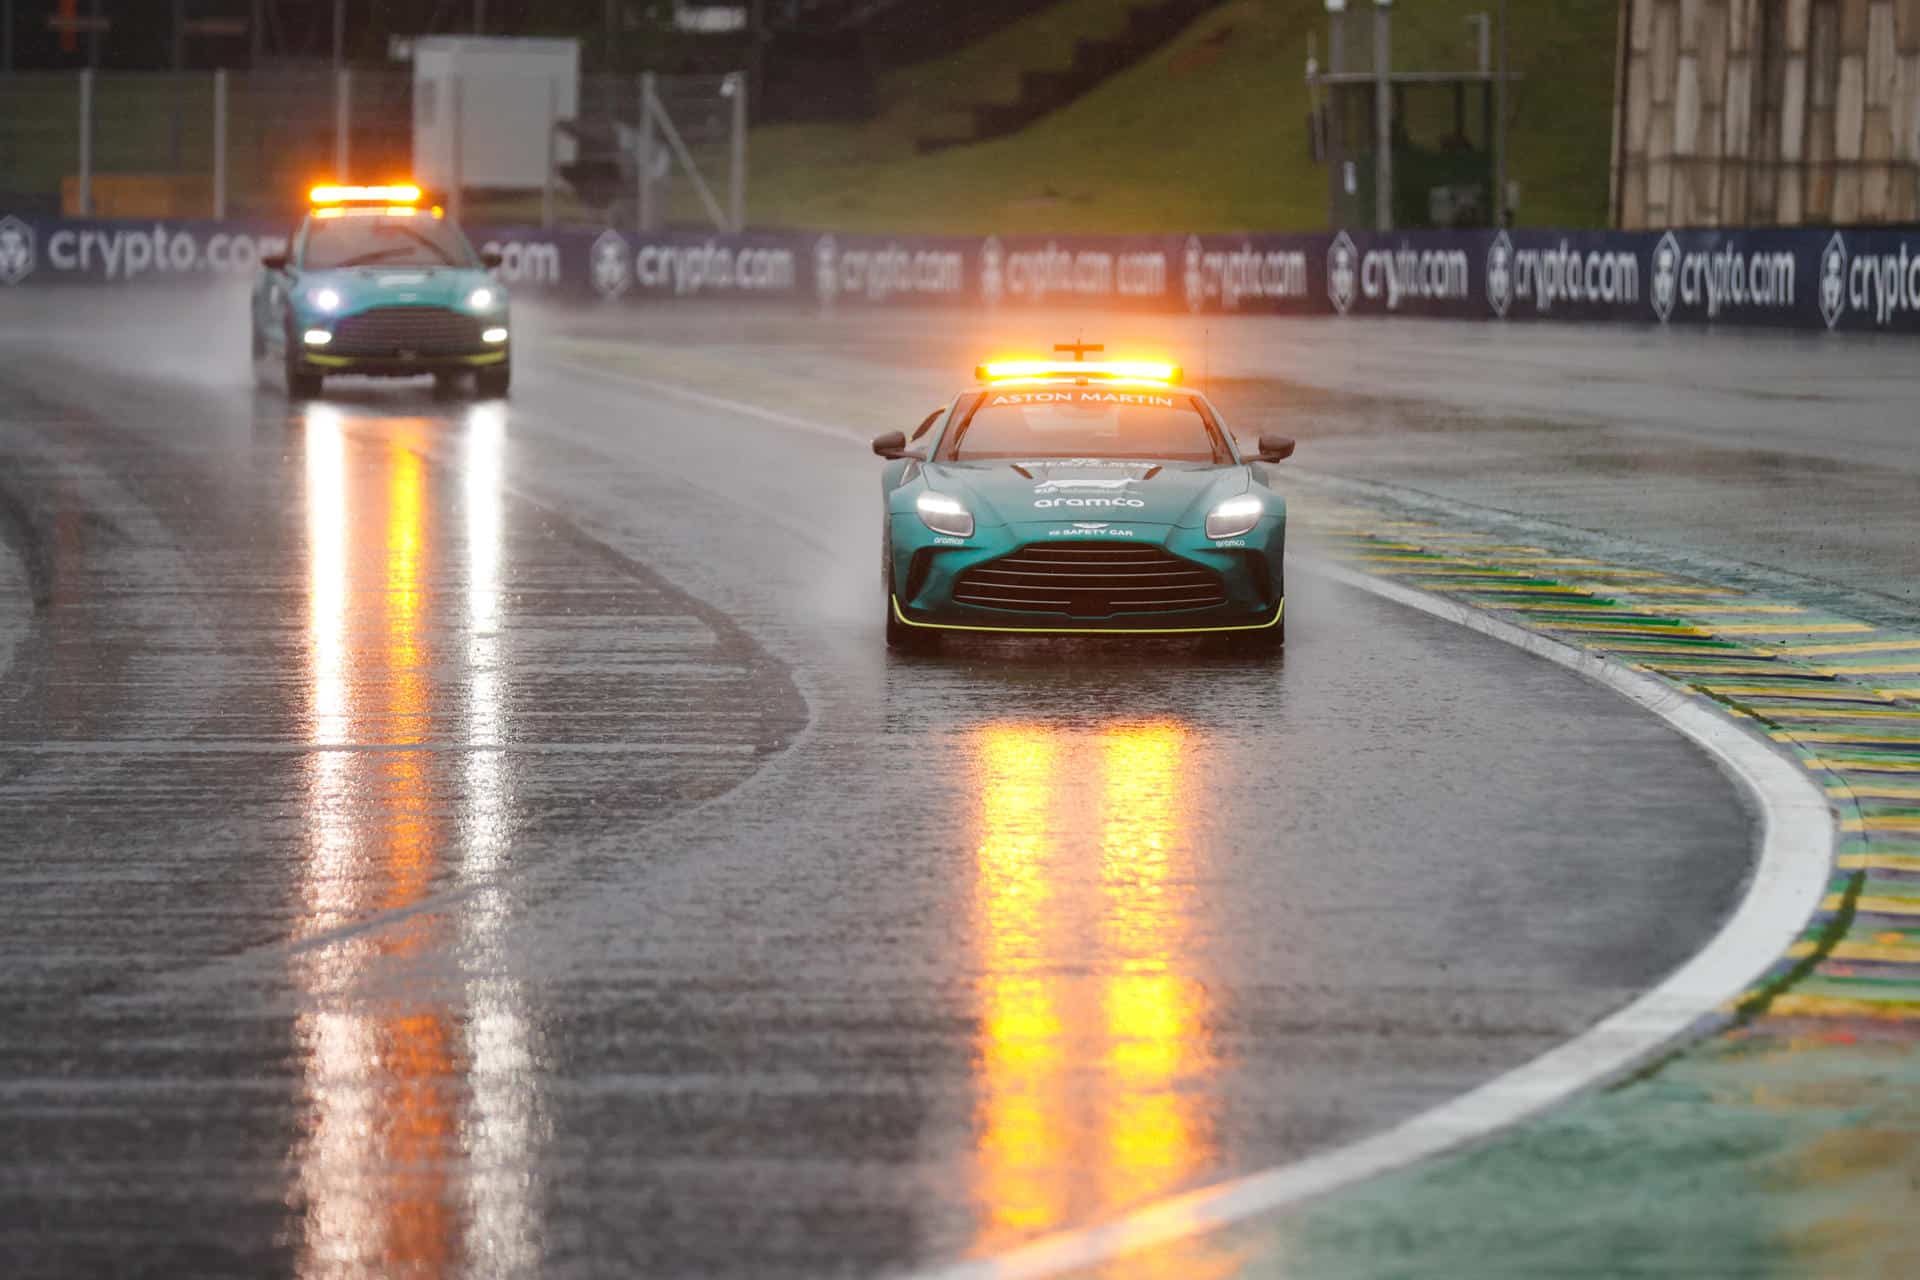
[[876, 271], [1343, 272], [611, 261], [1874, 278], [17, 256], [1104, 269], [1595, 277], [1723, 275], [1432, 272], [1266, 275], [1500, 274]]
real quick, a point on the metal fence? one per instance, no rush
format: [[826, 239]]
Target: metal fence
[[636, 152]]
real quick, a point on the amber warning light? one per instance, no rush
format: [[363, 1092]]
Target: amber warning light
[[397, 194], [1122, 370]]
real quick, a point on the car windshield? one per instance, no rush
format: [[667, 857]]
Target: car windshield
[[384, 241], [1086, 422]]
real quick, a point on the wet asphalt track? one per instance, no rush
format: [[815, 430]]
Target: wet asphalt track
[[470, 839]]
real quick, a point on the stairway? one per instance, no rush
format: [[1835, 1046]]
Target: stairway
[[1149, 26]]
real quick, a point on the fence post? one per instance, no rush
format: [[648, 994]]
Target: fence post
[[1500, 125], [1336, 117], [737, 178], [456, 165], [553, 151], [220, 144], [1383, 115], [86, 143], [644, 153], [342, 124]]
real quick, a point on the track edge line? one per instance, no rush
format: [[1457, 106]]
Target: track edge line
[[1788, 880]]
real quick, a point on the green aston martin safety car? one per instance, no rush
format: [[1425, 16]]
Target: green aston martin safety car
[[378, 283], [1081, 498]]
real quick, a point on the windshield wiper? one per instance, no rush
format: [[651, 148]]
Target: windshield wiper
[[378, 255]]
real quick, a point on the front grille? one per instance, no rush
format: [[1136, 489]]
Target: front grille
[[1090, 580], [393, 331]]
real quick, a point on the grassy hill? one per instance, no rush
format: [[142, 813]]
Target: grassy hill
[[1208, 134]]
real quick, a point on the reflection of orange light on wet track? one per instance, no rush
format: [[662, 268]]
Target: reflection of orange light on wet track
[[1158, 1056], [1093, 1056], [416, 1105], [1153, 1011], [1021, 1141]]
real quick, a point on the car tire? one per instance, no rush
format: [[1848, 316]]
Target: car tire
[[494, 383], [301, 384], [902, 638], [446, 386], [1261, 643]]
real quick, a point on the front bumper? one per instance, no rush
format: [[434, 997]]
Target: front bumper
[[926, 568], [409, 365]]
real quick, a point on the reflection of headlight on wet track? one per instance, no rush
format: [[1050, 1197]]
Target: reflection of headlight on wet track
[[318, 337]]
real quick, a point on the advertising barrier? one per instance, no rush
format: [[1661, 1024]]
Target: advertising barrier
[[1807, 278]]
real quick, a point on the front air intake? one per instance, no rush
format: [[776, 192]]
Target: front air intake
[[1090, 580], [393, 331]]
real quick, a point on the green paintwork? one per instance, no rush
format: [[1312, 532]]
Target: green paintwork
[[283, 303], [1040, 502]]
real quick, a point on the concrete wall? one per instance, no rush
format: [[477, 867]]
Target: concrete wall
[[1767, 112]]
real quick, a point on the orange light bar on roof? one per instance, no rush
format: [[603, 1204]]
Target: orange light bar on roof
[[1127, 370], [399, 194]]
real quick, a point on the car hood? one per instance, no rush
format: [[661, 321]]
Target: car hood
[[1019, 492], [376, 286]]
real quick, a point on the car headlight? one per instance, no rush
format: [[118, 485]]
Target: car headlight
[[481, 299], [1235, 516], [945, 515], [325, 299]]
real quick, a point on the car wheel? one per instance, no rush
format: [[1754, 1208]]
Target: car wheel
[[1257, 644], [494, 383], [901, 637], [301, 384], [446, 386]]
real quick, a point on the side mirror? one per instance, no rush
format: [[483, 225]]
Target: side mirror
[[894, 445], [274, 262], [1274, 448], [491, 259]]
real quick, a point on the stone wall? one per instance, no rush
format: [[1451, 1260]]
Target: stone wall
[[1770, 112]]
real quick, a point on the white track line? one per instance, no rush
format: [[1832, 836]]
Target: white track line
[[740, 407], [1796, 852], [1796, 855]]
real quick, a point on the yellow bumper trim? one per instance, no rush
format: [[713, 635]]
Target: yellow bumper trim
[[1087, 631], [395, 362]]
